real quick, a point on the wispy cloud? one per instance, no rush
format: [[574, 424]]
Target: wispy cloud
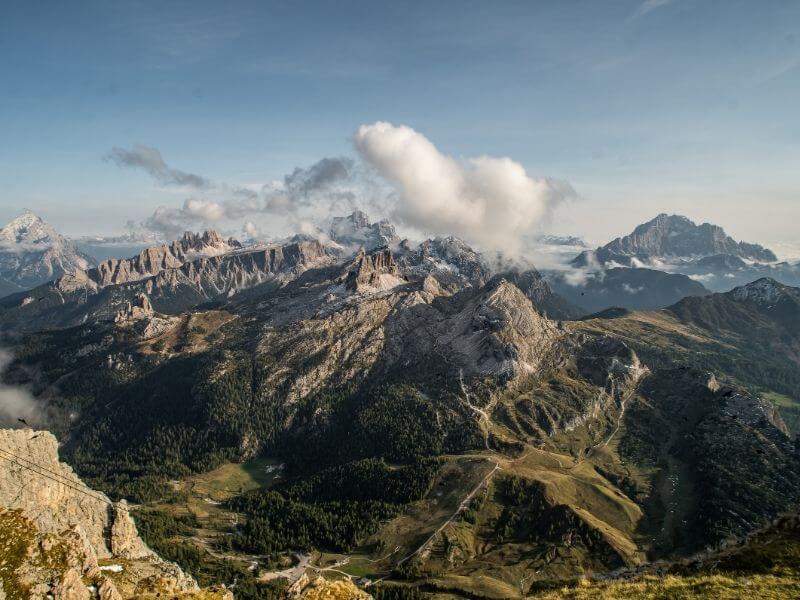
[[324, 183], [648, 6], [150, 160]]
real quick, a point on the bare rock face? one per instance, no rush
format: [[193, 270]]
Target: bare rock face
[[376, 271], [107, 591], [71, 587], [447, 257], [58, 533], [500, 333], [26, 483], [152, 261], [172, 280], [138, 308], [675, 235], [125, 540]]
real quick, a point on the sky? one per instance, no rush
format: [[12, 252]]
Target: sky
[[606, 113]]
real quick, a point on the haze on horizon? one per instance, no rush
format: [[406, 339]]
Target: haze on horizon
[[480, 119]]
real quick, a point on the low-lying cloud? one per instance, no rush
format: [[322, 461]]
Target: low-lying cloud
[[150, 160], [486, 200], [303, 188], [16, 402]]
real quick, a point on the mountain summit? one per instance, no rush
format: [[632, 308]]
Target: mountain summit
[[33, 252], [670, 236], [355, 230], [704, 253]]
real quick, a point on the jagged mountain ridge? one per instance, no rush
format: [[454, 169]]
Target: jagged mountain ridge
[[355, 230], [155, 259], [175, 286], [33, 252], [201, 268]]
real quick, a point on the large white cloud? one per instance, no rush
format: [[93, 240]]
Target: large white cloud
[[486, 200]]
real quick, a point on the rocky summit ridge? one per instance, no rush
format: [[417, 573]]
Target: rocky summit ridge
[[356, 231], [676, 235]]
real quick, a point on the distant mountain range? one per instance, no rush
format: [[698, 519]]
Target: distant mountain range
[[705, 253]]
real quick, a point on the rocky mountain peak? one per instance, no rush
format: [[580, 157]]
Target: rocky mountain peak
[[764, 291], [209, 243], [678, 236], [449, 256], [358, 218], [138, 308], [531, 283], [356, 230], [156, 259], [28, 228], [374, 271], [33, 252]]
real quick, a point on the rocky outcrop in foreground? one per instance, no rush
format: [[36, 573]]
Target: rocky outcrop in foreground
[[60, 539], [319, 588]]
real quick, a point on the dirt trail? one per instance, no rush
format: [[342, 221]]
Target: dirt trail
[[458, 511], [484, 420]]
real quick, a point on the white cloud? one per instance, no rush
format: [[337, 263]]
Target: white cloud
[[631, 289], [251, 230], [702, 278], [486, 200]]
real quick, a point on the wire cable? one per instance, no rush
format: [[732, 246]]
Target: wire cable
[[37, 465], [61, 482]]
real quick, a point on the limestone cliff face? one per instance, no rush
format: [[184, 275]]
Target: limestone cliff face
[[48, 492], [675, 235], [376, 271], [138, 308], [155, 259], [59, 535]]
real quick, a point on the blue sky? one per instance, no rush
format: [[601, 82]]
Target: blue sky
[[648, 106]]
